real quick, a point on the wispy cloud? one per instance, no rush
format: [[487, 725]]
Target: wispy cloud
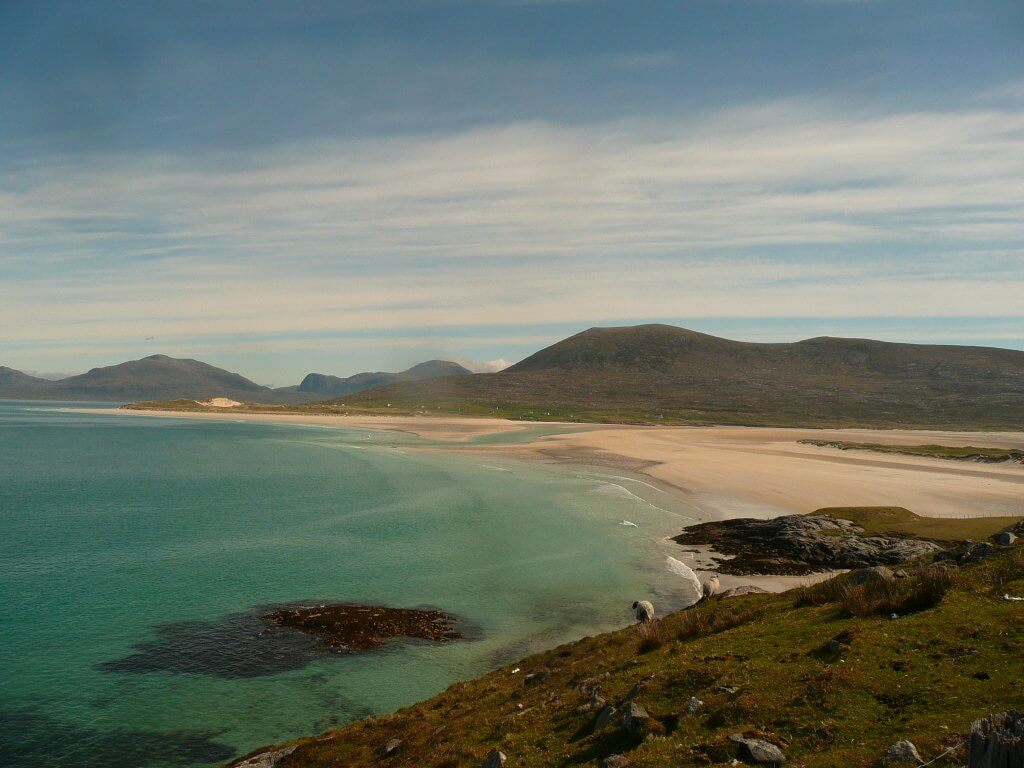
[[788, 208]]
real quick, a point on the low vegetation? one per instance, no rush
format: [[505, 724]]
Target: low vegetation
[[955, 452], [825, 673], [897, 521]]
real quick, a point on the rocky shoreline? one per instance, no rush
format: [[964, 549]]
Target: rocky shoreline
[[796, 545], [363, 627]]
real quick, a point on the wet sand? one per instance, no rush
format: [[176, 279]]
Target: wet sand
[[735, 471]]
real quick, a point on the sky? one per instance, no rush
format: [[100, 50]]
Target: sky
[[278, 188]]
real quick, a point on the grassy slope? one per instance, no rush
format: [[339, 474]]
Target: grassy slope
[[959, 453], [924, 677], [897, 521]]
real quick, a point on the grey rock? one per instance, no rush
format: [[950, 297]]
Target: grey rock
[[757, 751], [590, 683], [866, 575], [496, 759], [903, 752], [968, 552], [635, 718], [615, 761], [1005, 538], [694, 705], [536, 677], [746, 589], [796, 544], [637, 689], [596, 704], [392, 745], [266, 759], [605, 717]]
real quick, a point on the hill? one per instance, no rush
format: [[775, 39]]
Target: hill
[[14, 384], [161, 378], [322, 386], [832, 675], [155, 377], [664, 374]]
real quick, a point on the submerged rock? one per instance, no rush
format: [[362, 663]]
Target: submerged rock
[[360, 627]]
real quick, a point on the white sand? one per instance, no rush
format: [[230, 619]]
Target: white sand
[[731, 471]]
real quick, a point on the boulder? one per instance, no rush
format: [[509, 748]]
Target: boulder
[[757, 751], [866, 575], [615, 761], [1005, 538], [635, 719], [903, 752], [392, 746], [800, 544], [694, 705], [536, 677], [967, 552], [496, 759], [266, 759], [746, 589], [605, 717]]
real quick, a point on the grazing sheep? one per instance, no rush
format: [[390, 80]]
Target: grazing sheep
[[711, 587], [644, 612]]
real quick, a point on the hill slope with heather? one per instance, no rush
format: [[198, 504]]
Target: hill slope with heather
[[831, 675], [664, 374]]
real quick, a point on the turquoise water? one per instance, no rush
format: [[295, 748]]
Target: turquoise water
[[136, 549]]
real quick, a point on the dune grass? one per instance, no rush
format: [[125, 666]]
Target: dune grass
[[955, 452]]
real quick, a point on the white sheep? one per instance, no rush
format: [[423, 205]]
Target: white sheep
[[711, 587], [644, 611]]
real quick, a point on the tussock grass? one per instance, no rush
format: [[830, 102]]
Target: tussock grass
[[714, 617], [921, 590], [650, 637]]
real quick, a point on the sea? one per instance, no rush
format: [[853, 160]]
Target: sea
[[137, 553]]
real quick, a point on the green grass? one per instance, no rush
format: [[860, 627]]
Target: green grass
[[958, 453], [761, 663], [897, 521]]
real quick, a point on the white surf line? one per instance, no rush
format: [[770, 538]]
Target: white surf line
[[495, 469], [641, 499]]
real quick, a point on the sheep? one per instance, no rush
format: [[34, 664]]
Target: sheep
[[644, 611], [711, 586]]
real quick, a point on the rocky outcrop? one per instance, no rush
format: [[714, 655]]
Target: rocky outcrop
[[800, 544]]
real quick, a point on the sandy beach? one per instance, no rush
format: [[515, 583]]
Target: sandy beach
[[735, 471]]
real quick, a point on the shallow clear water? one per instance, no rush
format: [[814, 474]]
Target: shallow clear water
[[135, 549]]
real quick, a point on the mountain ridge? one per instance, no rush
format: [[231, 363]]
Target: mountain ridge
[[664, 374], [161, 377]]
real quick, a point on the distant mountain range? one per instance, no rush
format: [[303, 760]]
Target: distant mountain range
[[160, 377], [664, 374], [325, 387], [642, 374]]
